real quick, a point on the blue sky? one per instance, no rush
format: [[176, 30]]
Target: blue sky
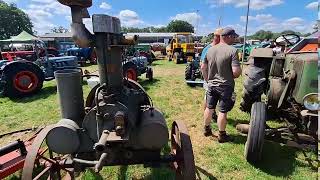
[[274, 15]]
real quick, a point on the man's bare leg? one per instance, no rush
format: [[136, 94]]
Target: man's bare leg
[[222, 121], [214, 115], [207, 116]]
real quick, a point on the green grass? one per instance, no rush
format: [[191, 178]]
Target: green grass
[[176, 100]]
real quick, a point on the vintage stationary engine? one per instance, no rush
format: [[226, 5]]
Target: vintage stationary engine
[[118, 124]]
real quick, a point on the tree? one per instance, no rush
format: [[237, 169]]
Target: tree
[[143, 30], [262, 35], [13, 21], [180, 26], [208, 38], [59, 29]]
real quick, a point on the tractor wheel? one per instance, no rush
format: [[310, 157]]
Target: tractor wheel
[[255, 139], [23, 79], [254, 86], [130, 71], [42, 163], [176, 58], [181, 148], [188, 71], [149, 74]]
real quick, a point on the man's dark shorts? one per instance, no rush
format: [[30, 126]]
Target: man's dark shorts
[[223, 94]]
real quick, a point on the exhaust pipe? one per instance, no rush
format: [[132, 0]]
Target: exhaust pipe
[[70, 94]]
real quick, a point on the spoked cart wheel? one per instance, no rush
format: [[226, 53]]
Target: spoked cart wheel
[[42, 163], [181, 148]]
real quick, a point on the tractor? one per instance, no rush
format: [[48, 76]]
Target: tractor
[[193, 74], [83, 55], [20, 77], [117, 125], [181, 48], [289, 81], [23, 46]]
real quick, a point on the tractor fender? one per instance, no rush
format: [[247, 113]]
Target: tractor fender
[[13, 64]]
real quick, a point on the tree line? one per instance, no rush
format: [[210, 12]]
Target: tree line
[[14, 21], [173, 26]]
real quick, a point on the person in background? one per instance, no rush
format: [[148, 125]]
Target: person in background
[[215, 41], [220, 67]]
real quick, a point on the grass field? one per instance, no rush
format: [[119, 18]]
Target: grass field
[[177, 101]]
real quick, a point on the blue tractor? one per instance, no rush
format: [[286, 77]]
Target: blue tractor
[[83, 55], [20, 77]]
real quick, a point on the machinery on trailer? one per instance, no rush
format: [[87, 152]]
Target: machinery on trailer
[[290, 83], [118, 124], [181, 48]]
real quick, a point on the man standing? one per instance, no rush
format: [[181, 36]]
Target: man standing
[[215, 41], [220, 67]]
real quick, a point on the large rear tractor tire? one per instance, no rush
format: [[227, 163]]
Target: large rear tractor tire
[[254, 86], [255, 139], [188, 71], [23, 79]]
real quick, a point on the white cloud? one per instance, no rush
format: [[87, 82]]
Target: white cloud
[[130, 18], [313, 5], [11, 1], [258, 17], [43, 12], [192, 18], [294, 23], [254, 4], [105, 5]]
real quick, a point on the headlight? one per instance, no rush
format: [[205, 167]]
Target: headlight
[[311, 102]]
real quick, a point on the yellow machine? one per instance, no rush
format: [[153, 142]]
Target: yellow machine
[[181, 48]]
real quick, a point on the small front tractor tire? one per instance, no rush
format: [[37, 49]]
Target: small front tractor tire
[[130, 71], [255, 139], [22, 79], [149, 74]]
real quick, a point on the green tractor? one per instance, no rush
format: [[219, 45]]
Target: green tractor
[[290, 83]]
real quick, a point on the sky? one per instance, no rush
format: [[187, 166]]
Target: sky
[[204, 15]]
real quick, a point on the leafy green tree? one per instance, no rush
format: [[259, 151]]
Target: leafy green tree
[[59, 29], [262, 35], [180, 26], [13, 21]]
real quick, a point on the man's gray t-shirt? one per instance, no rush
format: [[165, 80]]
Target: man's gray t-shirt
[[220, 59]]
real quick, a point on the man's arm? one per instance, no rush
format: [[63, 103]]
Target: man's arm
[[204, 70], [236, 68]]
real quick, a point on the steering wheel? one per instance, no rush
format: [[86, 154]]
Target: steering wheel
[[287, 39]]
